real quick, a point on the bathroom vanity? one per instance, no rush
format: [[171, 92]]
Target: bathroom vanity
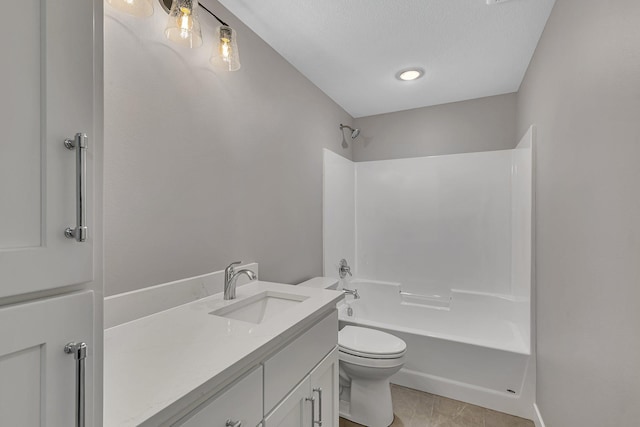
[[266, 358]]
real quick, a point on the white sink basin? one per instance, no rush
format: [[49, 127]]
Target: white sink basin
[[260, 307]]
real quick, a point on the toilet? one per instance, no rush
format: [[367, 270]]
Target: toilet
[[368, 358]]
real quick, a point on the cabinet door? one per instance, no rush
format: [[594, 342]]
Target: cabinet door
[[284, 370], [294, 410], [325, 388], [37, 378], [47, 90], [240, 403]]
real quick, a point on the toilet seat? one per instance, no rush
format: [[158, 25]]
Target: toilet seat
[[370, 343], [369, 362], [371, 356]]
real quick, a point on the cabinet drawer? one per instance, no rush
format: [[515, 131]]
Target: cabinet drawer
[[242, 401], [285, 369]]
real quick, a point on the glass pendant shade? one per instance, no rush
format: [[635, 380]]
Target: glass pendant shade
[[183, 26], [139, 8], [225, 51]]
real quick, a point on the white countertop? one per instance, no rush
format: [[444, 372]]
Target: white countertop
[[322, 283], [183, 353]]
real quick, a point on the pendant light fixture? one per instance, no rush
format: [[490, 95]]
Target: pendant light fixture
[[225, 50], [183, 26], [225, 55], [139, 8]]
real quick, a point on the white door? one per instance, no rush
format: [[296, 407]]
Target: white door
[[294, 410], [47, 96], [325, 389], [37, 378]]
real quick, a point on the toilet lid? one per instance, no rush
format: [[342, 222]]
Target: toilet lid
[[370, 343]]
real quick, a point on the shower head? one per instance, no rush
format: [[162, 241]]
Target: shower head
[[354, 132]]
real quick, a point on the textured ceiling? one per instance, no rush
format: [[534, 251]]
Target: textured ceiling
[[352, 49]]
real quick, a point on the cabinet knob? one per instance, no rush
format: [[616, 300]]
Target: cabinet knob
[[231, 423]]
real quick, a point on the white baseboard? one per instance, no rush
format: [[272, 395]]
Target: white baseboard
[[537, 417]]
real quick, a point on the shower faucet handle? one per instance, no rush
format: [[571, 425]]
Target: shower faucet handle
[[344, 269]]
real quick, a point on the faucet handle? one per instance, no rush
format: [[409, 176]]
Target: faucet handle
[[229, 268], [344, 269]]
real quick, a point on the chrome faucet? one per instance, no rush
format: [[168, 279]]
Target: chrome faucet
[[231, 277], [353, 292]]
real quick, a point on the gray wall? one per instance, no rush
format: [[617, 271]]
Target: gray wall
[[582, 90], [205, 168], [482, 124]]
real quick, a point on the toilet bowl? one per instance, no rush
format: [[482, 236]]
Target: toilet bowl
[[368, 358]]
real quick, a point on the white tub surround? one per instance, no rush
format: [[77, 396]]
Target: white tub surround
[[436, 223], [160, 368], [338, 212], [445, 244]]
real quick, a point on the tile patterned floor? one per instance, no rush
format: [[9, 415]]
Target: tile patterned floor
[[414, 408]]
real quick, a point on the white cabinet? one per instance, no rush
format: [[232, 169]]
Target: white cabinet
[[314, 401], [47, 91], [37, 378], [325, 385], [287, 367], [298, 385], [294, 410], [238, 405], [50, 85], [311, 362]]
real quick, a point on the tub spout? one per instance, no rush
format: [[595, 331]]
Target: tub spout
[[353, 292]]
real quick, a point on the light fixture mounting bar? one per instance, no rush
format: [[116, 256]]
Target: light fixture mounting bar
[[214, 15]]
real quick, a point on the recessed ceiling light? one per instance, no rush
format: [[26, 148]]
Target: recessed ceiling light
[[410, 74]]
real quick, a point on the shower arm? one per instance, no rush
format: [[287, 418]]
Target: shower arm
[[354, 132]]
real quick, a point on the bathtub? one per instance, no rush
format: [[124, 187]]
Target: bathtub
[[470, 346]]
